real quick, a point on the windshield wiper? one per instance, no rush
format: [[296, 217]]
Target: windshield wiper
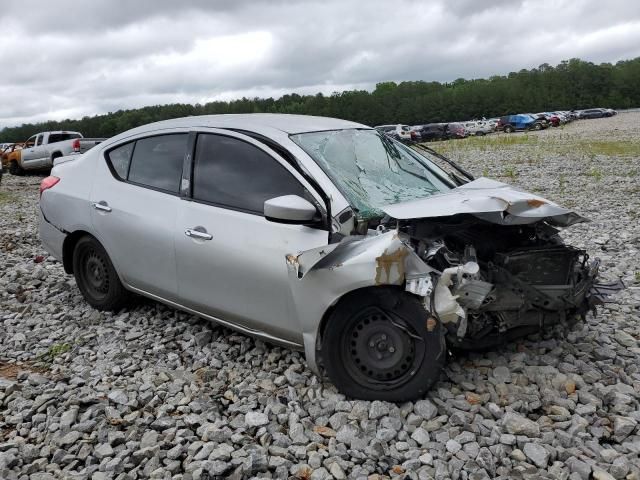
[[445, 159]]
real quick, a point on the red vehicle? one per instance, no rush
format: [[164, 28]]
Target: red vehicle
[[456, 130]]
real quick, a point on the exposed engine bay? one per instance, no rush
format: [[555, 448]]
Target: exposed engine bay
[[491, 283]]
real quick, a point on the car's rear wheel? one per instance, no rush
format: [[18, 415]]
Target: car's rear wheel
[[96, 277], [381, 344], [15, 169], [509, 129], [537, 126]]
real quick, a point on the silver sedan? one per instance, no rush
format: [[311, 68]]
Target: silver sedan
[[318, 234]]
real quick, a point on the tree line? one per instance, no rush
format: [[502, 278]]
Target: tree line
[[572, 84]]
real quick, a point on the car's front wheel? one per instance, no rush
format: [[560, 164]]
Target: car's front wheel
[[381, 344], [96, 277], [15, 169]]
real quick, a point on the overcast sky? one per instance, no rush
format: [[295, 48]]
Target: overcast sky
[[66, 59]]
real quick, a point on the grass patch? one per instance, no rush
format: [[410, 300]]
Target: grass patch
[[54, 351], [611, 148], [595, 173], [5, 198], [559, 144], [485, 143], [510, 172]]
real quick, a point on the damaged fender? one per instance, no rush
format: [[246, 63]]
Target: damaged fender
[[321, 276]]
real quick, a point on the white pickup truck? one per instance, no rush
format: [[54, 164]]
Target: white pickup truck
[[41, 149]]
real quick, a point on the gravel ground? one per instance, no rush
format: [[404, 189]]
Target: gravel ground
[[156, 393]]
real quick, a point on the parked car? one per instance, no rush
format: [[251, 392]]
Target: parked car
[[456, 130], [433, 131], [12, 154], [493, 123], [315, 233], [399, 132], [40, 150], [478, 127], [523, 121], [551, 119], [5, 149], [595, 113]]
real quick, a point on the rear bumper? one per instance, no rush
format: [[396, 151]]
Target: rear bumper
[[51, 237]]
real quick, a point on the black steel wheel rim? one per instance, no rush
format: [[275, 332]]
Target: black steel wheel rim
[[95, 273], [380, 352]]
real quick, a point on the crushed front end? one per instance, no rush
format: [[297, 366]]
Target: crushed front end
[[495, 283]]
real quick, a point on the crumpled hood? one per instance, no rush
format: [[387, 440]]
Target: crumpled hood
[[489, 200]]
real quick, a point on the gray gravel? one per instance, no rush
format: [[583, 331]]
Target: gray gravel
[[156, 393]]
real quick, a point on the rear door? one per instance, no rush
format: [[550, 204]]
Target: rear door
[[134, 203], [235, 268]]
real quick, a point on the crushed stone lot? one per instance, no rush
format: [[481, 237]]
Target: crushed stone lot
[[152, 392]]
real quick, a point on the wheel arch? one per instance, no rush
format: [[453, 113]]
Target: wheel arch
[[372, 289], [313, 339], [69, 246]]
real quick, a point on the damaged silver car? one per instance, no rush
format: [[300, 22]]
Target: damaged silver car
[[318, 234]]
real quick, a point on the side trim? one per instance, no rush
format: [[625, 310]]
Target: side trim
[[248, 331]]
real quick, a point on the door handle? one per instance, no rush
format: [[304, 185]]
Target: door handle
[[200, 235], [102, 206]]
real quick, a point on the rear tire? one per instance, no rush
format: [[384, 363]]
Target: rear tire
[[508, 129], [537, 126], [96, 277], [15, 169], [380, 344]]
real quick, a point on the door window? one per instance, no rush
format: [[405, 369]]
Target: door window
[[157, 162], [235, 174], [39, 140], [31, 142]]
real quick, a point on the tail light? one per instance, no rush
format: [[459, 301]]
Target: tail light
[[76, 145], [47, 183]]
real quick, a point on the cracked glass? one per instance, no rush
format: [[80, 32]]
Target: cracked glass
[[371, 170]]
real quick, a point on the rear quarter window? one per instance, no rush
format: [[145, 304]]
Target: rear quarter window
[[119, 160], [154, 162]]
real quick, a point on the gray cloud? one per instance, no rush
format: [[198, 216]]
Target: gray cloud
[[75, 58]]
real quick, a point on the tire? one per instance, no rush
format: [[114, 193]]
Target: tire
[[367, 355], [509, 129], [537, 126], [96, 277], [480, 134], [15, 169]]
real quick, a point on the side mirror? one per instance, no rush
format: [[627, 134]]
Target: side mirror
[[289, 209]]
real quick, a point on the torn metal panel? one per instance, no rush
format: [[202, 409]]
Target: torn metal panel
[[489, 200], [388, 255], [321, 276]]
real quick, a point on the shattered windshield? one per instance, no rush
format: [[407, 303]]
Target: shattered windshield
[[371, 170]]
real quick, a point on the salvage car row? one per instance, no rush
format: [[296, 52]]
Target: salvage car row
[[39, 151], [506, 123]]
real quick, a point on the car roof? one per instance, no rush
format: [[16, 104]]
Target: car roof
[[257, 122]]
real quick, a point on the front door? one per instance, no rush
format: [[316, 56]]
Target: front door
[[28, 154], [230, 259]]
